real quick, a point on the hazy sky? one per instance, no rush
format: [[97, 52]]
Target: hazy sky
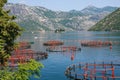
[[66, 5]]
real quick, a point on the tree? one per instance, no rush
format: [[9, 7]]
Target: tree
[[23, 72], [9, 31]]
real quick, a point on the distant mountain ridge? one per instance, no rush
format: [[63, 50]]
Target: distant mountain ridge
[[40, 18], [94, 10], [109, 23]]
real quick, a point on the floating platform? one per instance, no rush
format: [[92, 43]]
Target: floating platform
[[93, 71], [53, 43], [94, 43], [24, 45], [23, 56]]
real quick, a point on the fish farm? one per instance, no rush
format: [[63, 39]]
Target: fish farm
[[93, 71]]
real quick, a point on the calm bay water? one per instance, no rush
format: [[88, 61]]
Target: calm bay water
[[56, 63]]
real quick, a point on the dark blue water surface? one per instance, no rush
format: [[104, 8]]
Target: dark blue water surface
[[57, 62]]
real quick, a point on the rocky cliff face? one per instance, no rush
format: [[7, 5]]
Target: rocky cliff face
[[40, 18]]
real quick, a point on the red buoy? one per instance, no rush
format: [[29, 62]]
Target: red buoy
[[72, 57]]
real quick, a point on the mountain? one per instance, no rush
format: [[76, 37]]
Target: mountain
[[92, 10], [109, 23], [40, 18]]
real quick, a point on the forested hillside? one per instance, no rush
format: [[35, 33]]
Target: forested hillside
[[109, 23]]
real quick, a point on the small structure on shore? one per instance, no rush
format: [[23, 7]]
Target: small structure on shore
[[93, 71], [59, 30]]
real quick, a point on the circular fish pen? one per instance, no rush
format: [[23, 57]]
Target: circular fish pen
[[94, 43], [93, 71], [23, 56], [24, 45], [53, 46], [53, 43]]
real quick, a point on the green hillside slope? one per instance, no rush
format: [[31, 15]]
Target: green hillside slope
[[109, 23]]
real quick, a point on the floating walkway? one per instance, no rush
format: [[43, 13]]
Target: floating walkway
[[62, 48], [93, 71]]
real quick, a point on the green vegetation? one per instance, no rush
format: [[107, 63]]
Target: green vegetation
[[23, 72], [31, 25], [109, 23], [65, 21], [9, 32], [74, 13], [50, 14]]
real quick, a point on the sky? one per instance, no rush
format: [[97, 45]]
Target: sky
[[67, 5]]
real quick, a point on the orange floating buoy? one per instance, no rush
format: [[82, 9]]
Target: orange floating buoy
[[72, 57]]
